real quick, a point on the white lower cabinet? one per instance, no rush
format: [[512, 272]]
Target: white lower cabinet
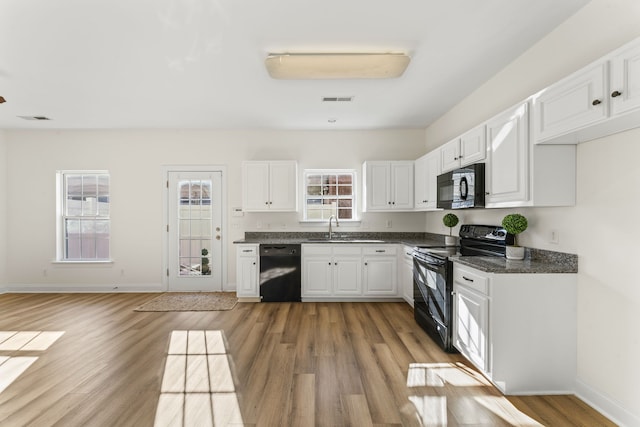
[[349, 272], [519, 330], [247, 268], [405, 264], [380, 271]]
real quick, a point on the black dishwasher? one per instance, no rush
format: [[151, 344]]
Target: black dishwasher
[[280, 273]]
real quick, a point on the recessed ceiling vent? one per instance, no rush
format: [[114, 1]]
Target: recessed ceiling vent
[[337, 98], [34, 117]]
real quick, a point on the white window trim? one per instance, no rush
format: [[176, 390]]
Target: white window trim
[[60, 218], [355, 220]]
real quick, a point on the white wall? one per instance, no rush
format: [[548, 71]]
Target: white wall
[[607, 195], [135, 160], [3, 210]]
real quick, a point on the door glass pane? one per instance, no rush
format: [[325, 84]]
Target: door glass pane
[[195, 227]]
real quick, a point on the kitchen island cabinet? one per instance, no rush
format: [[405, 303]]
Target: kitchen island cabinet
[[519, 330]]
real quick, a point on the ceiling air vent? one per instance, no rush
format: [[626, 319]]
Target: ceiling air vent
[[34, 117], [337, 98]]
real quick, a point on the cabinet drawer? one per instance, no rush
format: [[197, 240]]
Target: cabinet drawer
[[247, 250], [316, 249], [471, 280], [380, 250], [347, 250]]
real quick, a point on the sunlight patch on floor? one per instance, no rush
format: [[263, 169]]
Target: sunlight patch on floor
[[197, 385], [11, 367], [429, 397], [439, 374]]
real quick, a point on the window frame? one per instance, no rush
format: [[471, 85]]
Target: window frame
[[328, 171], [61, 217]]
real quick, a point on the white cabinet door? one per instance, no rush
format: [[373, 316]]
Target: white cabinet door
[[380, 276], [473, 147], [420, 183], [402, 185], [471, 328], [506, 173], [406, 275], [388, 185], [282, 186], [433, 170], [624, 91], [450, 155], [255, 186], [347, 275], [269, 186], [426, 171], [247, 259], [378, 185], [571, 104], [317, 276]]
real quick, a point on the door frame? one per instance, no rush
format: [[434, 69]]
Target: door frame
[[165, 169]]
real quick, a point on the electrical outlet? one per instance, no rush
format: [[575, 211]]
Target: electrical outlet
[[554, 237], [388, 224]]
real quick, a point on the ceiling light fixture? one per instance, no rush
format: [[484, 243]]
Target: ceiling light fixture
[[336, 65]]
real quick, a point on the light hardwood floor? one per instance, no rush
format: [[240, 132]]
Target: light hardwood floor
[[272, 364]]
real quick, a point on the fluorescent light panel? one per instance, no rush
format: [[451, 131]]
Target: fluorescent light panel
[[336, 65]]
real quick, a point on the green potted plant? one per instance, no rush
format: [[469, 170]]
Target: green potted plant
[[204, 269], [450, 220], [514, 224]]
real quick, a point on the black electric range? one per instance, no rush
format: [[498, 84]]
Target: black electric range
[[433, 281]]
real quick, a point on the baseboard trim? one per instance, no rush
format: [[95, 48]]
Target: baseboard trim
[[606, 405], [83, 288]]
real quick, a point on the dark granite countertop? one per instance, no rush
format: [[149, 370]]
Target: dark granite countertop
[[297, 238], [537, 261]]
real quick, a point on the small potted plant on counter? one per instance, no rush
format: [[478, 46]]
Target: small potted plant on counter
[[450, 220], [514, 224]]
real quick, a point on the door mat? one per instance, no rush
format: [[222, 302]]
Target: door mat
[[191, 301]]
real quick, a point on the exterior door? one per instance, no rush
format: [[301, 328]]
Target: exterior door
[[194, 231]]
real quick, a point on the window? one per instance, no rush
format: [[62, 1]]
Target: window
[[329, 192], [83, 216]]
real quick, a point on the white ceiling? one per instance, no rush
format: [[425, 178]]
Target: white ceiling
[[125, 64]]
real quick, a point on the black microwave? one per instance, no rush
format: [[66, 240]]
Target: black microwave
[[462, 188]]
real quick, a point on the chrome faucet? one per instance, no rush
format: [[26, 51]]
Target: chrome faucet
[[337, 225]]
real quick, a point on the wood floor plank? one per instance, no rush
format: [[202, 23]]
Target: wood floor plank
[[274, 364]]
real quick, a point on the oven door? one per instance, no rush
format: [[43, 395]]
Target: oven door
[[432, 306]]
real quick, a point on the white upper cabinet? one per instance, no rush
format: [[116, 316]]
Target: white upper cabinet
[[450, 155], [519, 173], [571, 104], [624, 91], [464, 150], [388, 185], [427, 169], [473, 146], [507, 171], [269, 186], [601, 99]]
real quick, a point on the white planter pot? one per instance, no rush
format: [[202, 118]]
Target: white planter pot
[[515, 252], [449, 241]]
